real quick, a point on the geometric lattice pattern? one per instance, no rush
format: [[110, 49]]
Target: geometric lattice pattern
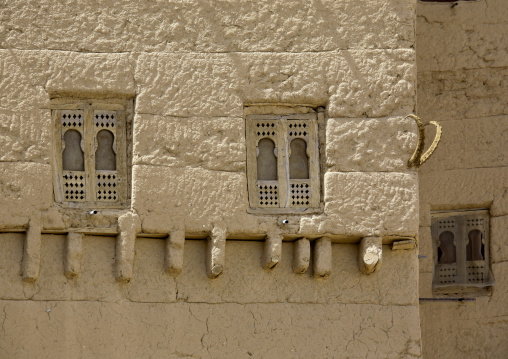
[[447, 273], [461, 251], [476, 271], [268, 194], [283, 176], [265, 129], [475, 222], [72, 119], [300, 193], [297, 128], [74, 186], [446, 223], [104, 120], [106, 185]]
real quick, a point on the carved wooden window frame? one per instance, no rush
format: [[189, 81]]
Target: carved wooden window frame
[[284, 195], [462, 274], [92, 188]]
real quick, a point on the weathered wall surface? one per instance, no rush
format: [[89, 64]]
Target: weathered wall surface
[[192, 73], [190, 68], [462, 64], [269, 314]]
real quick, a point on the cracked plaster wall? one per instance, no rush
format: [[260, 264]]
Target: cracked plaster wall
[[269, 314], [462, 64], [190, 67]]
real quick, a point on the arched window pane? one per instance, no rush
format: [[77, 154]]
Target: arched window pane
[[72, 156], [474, 248], [298, 161], [105, 157], [447, 252], [267, 162]]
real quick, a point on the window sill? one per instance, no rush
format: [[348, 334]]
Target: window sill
[[265, 211], [472, 291], [93, 205]]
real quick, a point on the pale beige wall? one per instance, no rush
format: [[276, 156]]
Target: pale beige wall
[[271, 314], [191, 67], [462, 63]]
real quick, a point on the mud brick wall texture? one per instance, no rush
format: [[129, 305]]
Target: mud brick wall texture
[[462, 64], [183, 268]]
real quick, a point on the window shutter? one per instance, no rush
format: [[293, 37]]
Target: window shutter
[[91, 156], [71, 182], [462, 242], [264, 193], [446, 272], [106, 174], [475, 234], [303, 192]]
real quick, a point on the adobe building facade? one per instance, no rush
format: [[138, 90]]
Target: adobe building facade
[[240, 179], [462, 64]]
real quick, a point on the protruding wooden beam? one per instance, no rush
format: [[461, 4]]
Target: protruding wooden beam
[[174, 252], [73, 254], [370, 254], [273, 250], [32, 251], [301, 255], [129, 226], [323, 257], [407, 244], [216, 252]]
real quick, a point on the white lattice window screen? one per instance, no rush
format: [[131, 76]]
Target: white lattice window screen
[[106, 184], [268, 194], [267, 189], [446, 267], [476, 266], [462, 250], [282, 191], [73, 181], [99, 177], [72, 119], [74, 186], [300, 190], [106, 180]]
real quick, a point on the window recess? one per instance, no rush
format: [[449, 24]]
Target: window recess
[[90, 155], [461, 242], [283, 162]]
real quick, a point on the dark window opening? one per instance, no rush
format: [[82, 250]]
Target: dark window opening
[[72, 156], [266, 161], [105, 157], [446, 250], [298, 161], [475, 248]]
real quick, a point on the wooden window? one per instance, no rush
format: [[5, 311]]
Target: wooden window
[[461, 240], [90, 153], [283, 162]]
